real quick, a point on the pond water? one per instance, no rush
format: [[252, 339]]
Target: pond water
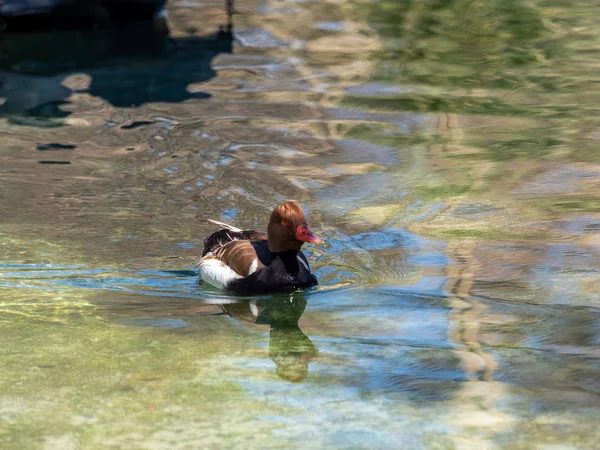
[[446, 150]]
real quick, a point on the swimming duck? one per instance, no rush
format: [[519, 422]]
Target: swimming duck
[[252, 262]]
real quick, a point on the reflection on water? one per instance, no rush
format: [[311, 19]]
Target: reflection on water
[[445, 151], [289, 348], [126, 67]]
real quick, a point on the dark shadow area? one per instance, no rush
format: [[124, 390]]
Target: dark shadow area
[[55, 146], [289, 348], [44, 15], [129, 66]]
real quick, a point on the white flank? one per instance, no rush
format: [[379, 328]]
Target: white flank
[[303, 263], [225, 225], [253, 308], [215, 273], [253, 267]]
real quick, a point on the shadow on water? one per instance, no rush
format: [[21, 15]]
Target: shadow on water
[[128, 67]]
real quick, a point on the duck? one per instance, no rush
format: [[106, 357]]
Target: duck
[[249, 262]]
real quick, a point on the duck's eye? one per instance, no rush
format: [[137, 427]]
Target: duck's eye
[[284, 221]]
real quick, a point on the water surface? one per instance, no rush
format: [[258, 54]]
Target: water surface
[[447, 153]]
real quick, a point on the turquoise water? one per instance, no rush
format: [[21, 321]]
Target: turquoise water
[[446, 151]]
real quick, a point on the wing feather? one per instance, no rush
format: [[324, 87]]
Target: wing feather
[[240, 256], [225, 225]]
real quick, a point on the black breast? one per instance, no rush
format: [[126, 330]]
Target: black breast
[[283, 272]]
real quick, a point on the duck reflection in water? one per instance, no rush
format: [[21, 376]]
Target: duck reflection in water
[[289, 348]]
